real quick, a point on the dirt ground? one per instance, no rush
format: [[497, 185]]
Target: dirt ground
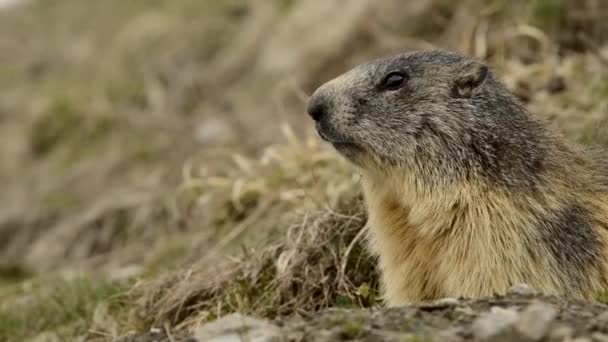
[[159, 171], [444, 320]]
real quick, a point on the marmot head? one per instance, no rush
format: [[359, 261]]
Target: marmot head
[[433, 112]]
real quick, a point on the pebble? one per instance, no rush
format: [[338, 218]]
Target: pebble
[[599, 337], [602, 319], [561, 333], [451, 334], [522, 290], [239, 328], [535, 321], [532, 324], [493, 323], [440, 304], [466, 310], [47, 337]]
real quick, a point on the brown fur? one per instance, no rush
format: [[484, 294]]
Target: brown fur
[[530, 209], [471, 257]]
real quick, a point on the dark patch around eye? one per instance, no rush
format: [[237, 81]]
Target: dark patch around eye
[[393, 81]]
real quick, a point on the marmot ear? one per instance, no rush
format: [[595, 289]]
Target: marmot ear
[[470, 77]]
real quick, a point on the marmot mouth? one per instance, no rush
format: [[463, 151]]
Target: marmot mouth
[[342, 145]]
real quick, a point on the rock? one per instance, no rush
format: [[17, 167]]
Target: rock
[[561, 333], [602, 318], [534, 322], [451, 335], [440, 304], [600, 322], [498, 321], [239, 328], [522, 290], [556, 84], [448, 301], [465, 310], [599, 337], [213, 130], [47, 337]]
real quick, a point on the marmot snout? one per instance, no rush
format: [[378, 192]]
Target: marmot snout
[[467, 193]]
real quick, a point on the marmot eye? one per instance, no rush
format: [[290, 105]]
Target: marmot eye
[[393, 81]]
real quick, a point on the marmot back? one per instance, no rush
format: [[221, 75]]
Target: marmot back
[[467, 193]]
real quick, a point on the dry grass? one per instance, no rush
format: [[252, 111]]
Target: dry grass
[[319, 263], [147, 140]]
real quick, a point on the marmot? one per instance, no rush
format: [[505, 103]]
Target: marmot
[[467, 193]]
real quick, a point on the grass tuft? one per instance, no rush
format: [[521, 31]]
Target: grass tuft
[[319, 263], [65, 307]]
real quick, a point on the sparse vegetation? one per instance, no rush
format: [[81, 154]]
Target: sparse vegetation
[[65, 306], [160, 150]]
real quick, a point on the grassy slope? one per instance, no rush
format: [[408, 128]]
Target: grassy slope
[[124, 125]]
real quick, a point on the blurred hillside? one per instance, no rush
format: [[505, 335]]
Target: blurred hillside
[[144, 137]]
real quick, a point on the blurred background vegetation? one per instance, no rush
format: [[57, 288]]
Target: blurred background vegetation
[[148, 143]]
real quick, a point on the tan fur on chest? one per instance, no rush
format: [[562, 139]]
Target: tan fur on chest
[[453, 241]]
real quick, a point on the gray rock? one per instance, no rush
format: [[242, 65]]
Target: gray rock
[[465, 310], [451, 335], [522, 290], [602, 319], [494, 323], [239, 328], [448, 301], [440, 304], [561, 333], [47, 337], [534, 322], [599, 337]]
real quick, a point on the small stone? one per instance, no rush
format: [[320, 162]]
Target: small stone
[[448, 301], [497, 321], [213, 130], [154, 330], [522, 290], [440, 304], [556, 84], [599, 337], [46, 337], [602, 318], [451, 335], [561, 333], [534, 322], [239, 328], [467, 311], [580, 339]]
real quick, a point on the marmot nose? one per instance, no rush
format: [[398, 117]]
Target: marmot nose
[[316, 108]]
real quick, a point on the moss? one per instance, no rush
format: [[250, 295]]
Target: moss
[[60, 305], [64, 124], [453, 315], [166, 256], [129, 91], [343, 301], [60, 121], [599, 91], [11, 277], [285, 5], [13, 273], [547, 14], [56, 202], [407, 324], [602, 297], [414, 338], [352, 327]]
